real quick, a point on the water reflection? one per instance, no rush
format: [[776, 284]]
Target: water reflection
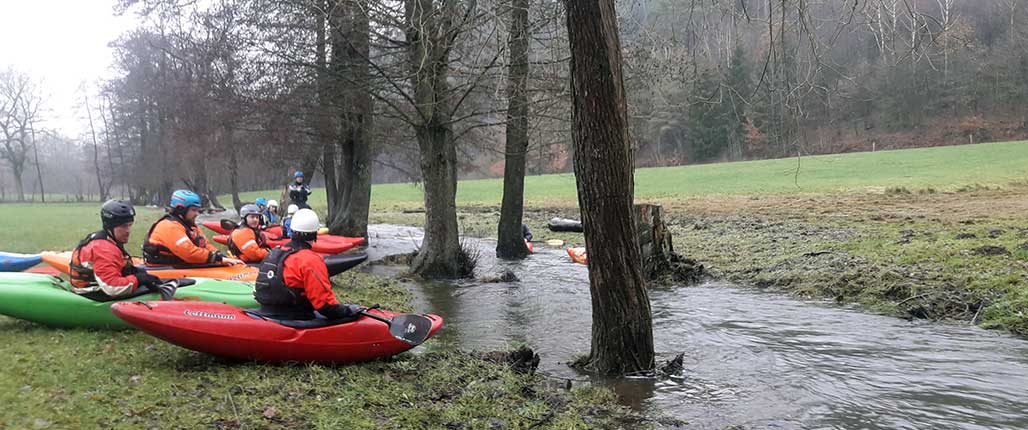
[[751, 359]]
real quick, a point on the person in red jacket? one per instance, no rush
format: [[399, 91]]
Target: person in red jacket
[[293, 280], [100, 264], [247, 242]]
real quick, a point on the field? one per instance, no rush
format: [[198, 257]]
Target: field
[[938, 169], [934, 233]]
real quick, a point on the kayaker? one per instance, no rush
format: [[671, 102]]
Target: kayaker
[[100, 262], [271, 214], [262, 206], [298, 191], [293, 280], [290, 211], [247, 242], [526, 232], [176, 240]]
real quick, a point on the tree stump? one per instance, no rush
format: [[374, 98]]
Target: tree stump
[[660, 262]]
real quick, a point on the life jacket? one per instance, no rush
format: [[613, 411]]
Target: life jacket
[[160, 254], [82, 275], [276, 298], [258, 237]]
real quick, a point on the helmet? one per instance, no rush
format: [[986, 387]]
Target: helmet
[[261, 201], [298, 174], [116, 212], [292, 209], [250, 209], [184, 199], [272, 203], [305, 221]]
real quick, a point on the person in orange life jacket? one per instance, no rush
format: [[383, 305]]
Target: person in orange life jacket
[[100, 264], [293, 281], [176, 240], [247, 241]]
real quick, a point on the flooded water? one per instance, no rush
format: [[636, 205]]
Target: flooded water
[[753, 360]]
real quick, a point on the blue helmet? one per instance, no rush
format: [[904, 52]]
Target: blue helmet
[[184, 199], [261, 201], [298, 174]]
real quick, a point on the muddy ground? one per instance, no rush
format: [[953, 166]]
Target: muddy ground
[[960, 256]]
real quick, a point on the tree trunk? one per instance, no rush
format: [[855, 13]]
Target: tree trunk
[[96, 154], [510, 240], [39, 171], [429, 34], [16, 170], [440, 253], [350, 192], [622, 334]]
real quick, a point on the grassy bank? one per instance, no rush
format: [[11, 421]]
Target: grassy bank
[[99, 379]]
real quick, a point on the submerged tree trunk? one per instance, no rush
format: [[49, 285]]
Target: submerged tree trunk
[[428, 32], [622, 334], [510, 240]]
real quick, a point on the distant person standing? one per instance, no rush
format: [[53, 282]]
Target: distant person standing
[[299, 191]]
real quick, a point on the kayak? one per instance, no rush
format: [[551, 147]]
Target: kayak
[[44, 270], [578, 255], [230, 331], [326, 244], [274, 231], [61, 261], [336, 264], [48, 300], [13, 262], [531, 248], [564, 224]]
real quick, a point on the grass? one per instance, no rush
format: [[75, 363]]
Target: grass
[[35, 227], [924, 170], [101, 379]]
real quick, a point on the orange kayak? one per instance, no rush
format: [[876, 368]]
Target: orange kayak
[[578, 255], [61, 261]]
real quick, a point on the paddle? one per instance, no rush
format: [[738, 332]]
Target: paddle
[[228, 224], [410, 328], [167, 288]]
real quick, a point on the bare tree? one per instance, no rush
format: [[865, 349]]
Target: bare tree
[[19, 106]]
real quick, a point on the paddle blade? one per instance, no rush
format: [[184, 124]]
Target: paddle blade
[[413, 329]]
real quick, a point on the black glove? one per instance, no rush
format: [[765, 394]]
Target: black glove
[[334, 312], [146, 279]]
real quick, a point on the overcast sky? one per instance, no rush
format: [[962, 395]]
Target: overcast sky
[[62, 43]]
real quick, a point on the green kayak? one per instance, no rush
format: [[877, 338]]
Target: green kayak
[[48, 300]]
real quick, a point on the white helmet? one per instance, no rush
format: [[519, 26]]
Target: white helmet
[[292, 209], [272, 203], [305, 221]]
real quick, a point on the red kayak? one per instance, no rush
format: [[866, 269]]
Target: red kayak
[[226, 227], [229, 331], [326, 244]]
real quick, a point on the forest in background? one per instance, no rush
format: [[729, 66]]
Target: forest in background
[[234, 95]]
